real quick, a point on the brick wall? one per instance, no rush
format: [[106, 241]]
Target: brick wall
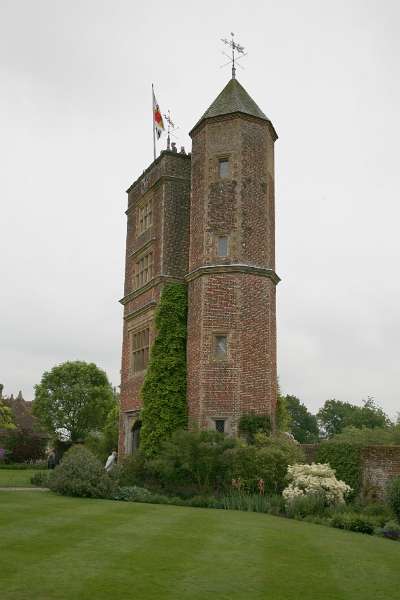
[[379, 465], [239, 304], [167, 184]]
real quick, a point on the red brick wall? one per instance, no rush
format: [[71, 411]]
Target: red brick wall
[[240, 304], [167, 183], [379, 465]]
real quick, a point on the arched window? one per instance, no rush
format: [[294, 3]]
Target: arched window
[[136, 435]]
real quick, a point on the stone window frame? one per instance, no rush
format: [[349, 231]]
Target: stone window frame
[[214, 356], [139, 345], [143, 269], [219, 236], [223, 158], [144, 216], [212, 420]]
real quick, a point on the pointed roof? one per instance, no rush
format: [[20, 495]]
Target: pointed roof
[[232, 99]]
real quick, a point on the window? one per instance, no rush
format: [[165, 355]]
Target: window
[[222, 245], [220, 425], [140, 350], [143, 270], [220, 346], [145, 217], [223, 167]]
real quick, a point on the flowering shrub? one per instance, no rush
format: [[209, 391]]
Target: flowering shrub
[[315, 480]]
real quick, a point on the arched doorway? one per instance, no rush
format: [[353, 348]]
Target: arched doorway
[[136, 435]]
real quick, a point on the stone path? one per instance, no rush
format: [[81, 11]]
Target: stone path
[[23, 489]]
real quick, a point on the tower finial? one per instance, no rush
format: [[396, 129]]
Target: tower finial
[[235, 48], [171, 125]]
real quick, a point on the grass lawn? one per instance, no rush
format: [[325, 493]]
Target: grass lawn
[[57, 548], [17, 478]]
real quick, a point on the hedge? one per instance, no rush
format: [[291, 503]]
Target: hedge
[[345, 458]]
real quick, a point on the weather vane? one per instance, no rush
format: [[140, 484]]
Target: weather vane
[[171, 125], [234, 58]]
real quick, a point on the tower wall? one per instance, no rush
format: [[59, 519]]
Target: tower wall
[[232, 296], [165, 187]]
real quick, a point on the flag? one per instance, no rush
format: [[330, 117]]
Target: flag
[[158, 122]]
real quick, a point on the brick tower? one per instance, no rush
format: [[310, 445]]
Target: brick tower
[[157, 244], [231, 277]]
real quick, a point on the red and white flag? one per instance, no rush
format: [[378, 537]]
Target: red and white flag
[[158, 122]]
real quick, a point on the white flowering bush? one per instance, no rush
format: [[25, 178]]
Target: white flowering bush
[[315, 480]]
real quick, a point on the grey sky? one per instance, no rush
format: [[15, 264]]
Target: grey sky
[[75, 118]]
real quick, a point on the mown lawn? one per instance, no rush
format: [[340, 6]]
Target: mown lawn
[[17, 478], [56, 548]]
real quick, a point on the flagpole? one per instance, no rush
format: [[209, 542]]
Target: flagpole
[[154, 124]]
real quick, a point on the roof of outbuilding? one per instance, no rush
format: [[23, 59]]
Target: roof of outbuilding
[[233, 98]]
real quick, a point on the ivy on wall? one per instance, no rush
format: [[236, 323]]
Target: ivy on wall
[[164, 389]]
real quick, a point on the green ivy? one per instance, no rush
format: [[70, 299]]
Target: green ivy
[[251, 424], [164, 389], [345, 458]]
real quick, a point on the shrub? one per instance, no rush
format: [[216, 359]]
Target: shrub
[[41, 479], [303, 506], [132, 494], [352, 521], [345, 459], [393, 496], [164, 388], [267, 461], [132, 471], [390, 530], [193, 461], [204, 502], [81, 474], [379, 510], [24, 445], [315, 480], [251, 424], [369, 436]]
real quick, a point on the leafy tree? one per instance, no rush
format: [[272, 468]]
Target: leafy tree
[[101, 443], [282, 417], [164, 388], [370, 415], [111, 429], [335, 415], [6, 417], [73, 398], [303, 425]]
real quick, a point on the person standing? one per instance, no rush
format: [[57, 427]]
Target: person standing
[[111, 461]]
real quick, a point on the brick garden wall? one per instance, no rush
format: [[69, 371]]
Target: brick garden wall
[[379, 465]]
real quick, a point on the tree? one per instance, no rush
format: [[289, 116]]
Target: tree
[[335, 415], [6, 417], [164, 389], [101, 443], [282, 417], [303, 425], [73, 399]]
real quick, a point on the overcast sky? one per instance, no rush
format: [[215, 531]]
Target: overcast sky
[[76, 131]]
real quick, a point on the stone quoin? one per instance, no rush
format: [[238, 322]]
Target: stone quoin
[[207, 219]]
